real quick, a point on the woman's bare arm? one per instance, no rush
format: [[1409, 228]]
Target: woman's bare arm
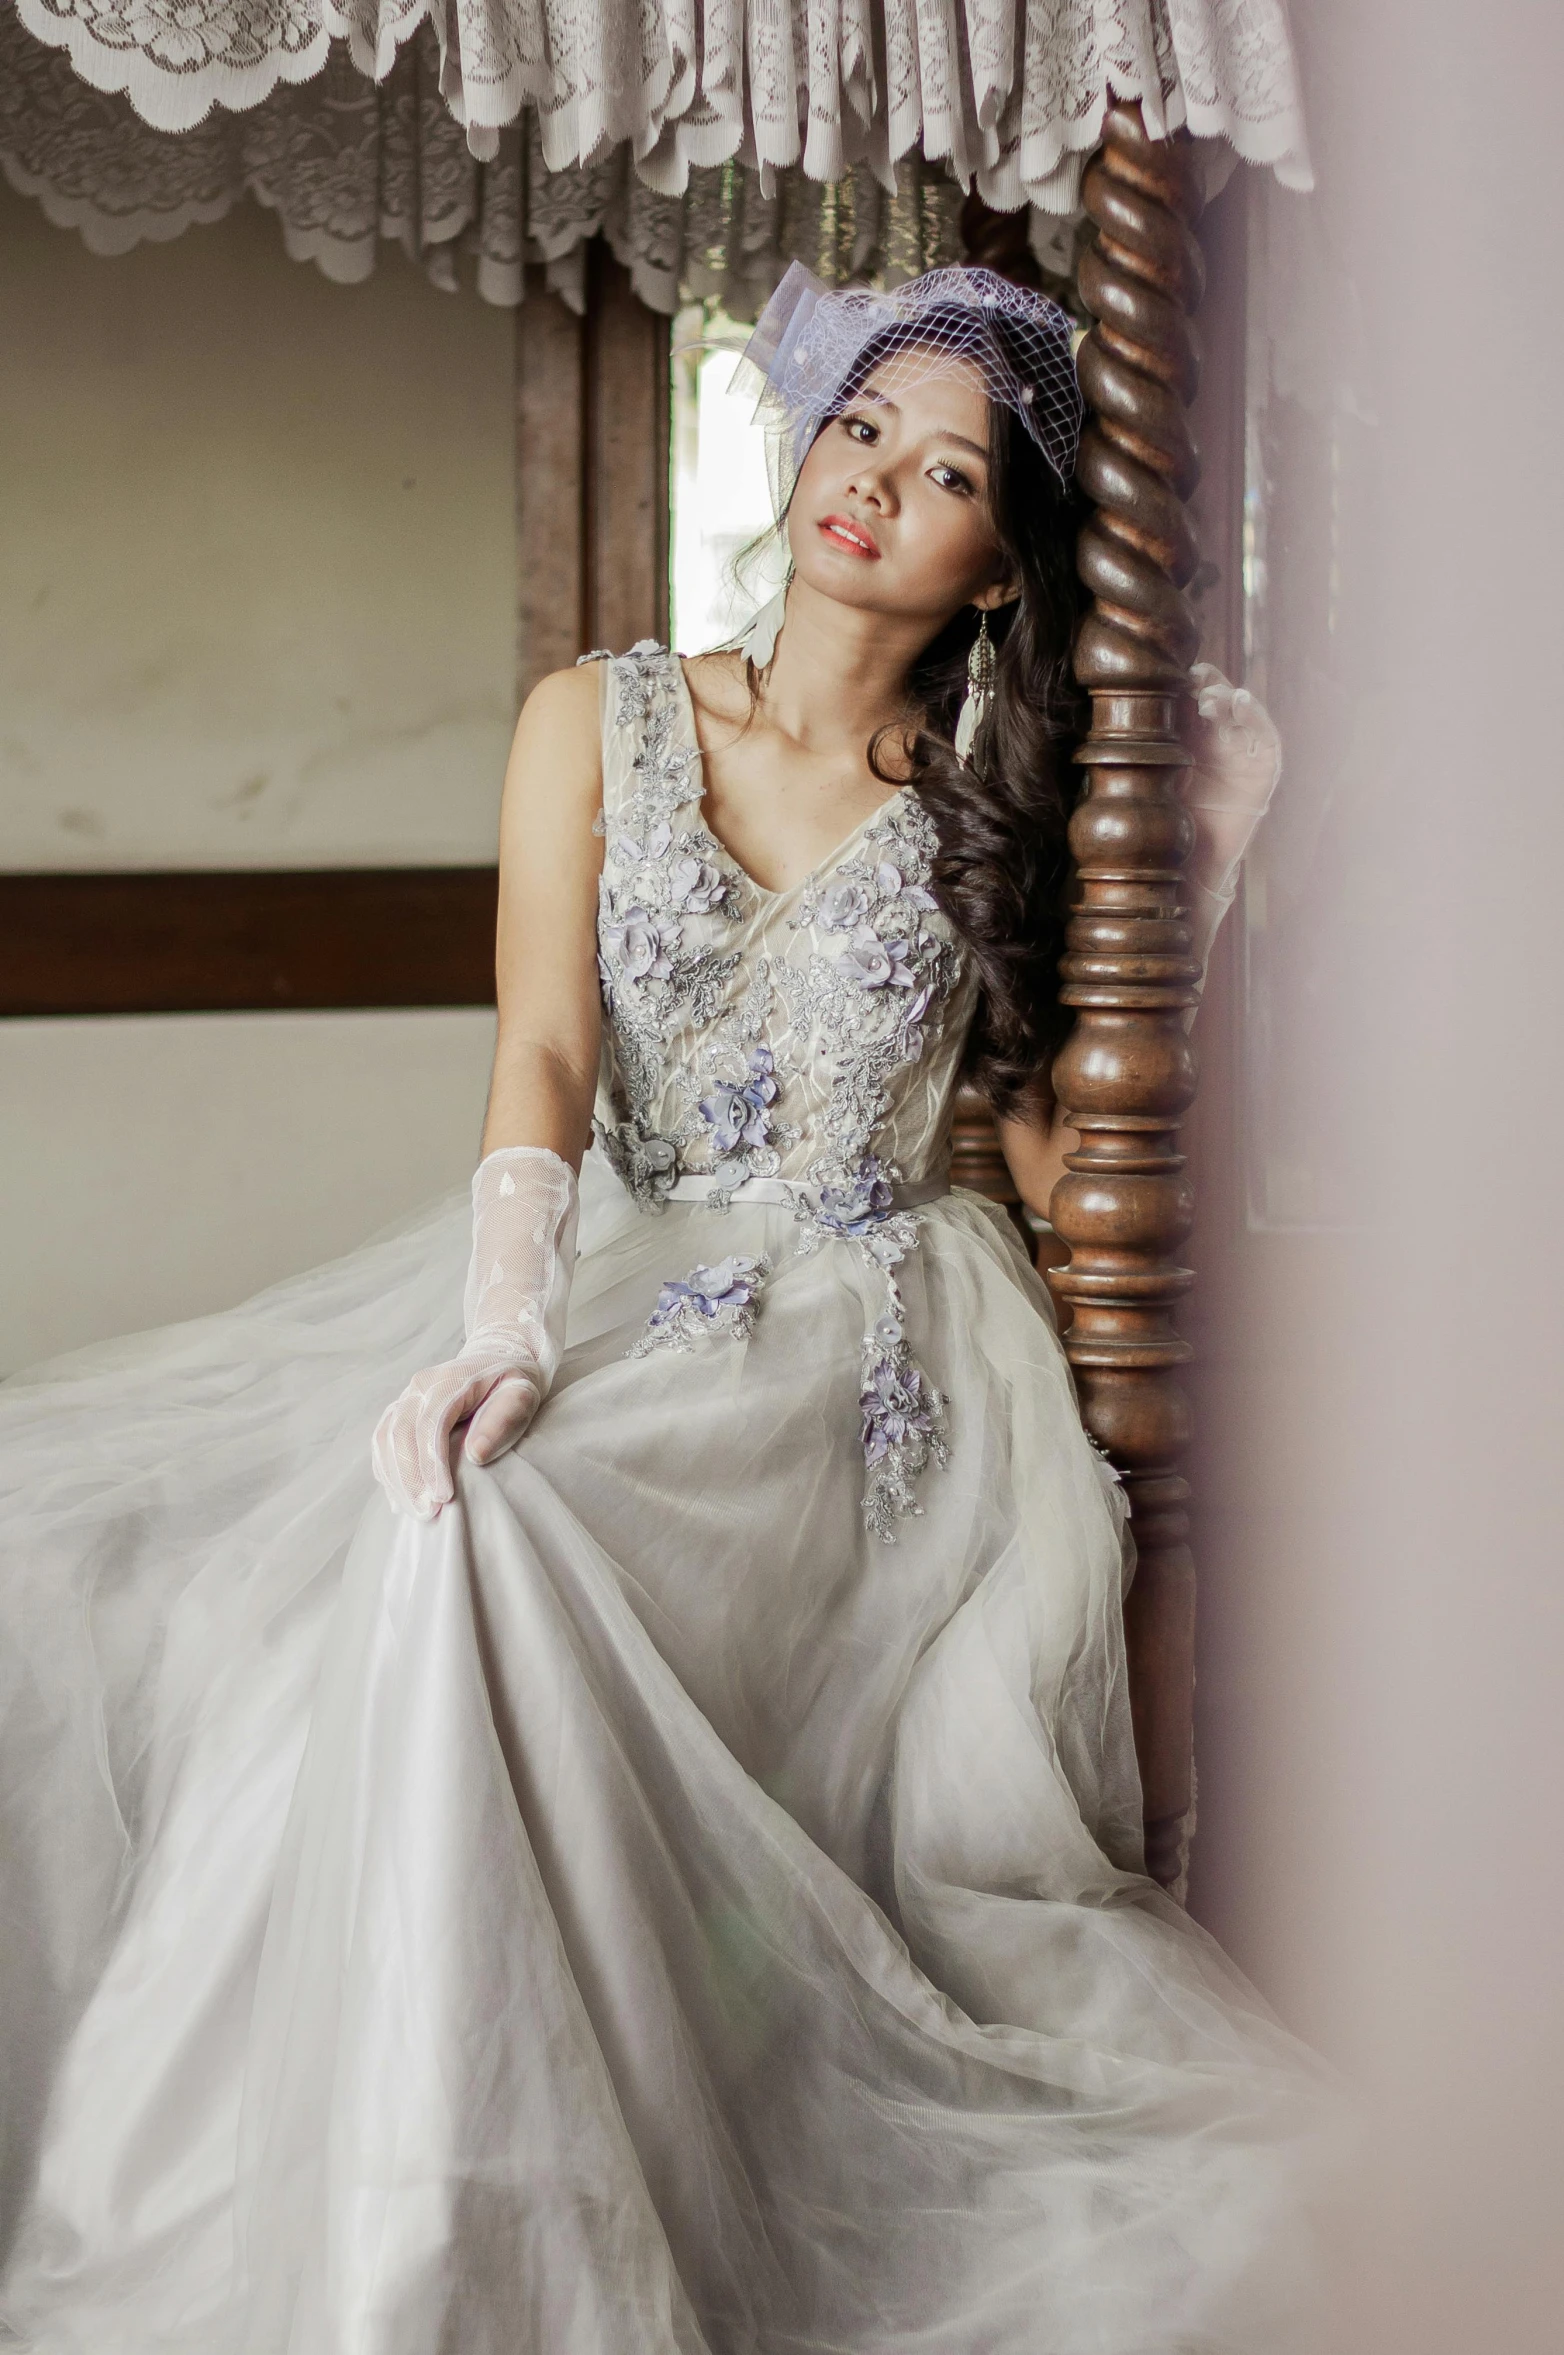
[[1034, 1146], [546, 1054]]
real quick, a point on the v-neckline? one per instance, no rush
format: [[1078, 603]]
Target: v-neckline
[[763, 890]]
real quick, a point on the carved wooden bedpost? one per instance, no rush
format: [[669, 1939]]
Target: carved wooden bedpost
[[1126, 1074]]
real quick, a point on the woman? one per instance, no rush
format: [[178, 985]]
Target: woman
[[666, 1874]]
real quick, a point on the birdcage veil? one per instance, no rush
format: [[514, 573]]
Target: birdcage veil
[[811, 342]]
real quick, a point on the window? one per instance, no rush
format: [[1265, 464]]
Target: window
[[721, 495]]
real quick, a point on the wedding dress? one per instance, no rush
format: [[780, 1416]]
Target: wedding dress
[[687, 1896]]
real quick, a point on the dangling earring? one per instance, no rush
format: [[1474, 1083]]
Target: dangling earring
[[980, 694], [759, 641]]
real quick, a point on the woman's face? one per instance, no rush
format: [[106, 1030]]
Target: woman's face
[[890, 511]]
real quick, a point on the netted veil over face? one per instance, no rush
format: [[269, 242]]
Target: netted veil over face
[[814, 346]]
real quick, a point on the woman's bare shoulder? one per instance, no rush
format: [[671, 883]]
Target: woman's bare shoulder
[[561, 721], [567, 699], [556, 755]]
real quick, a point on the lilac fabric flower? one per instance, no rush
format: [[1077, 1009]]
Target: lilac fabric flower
[[695, 886], [658, 1156], [911, 1030], [642, 944], [730, 1116], [899, 1405], [738, 1116], [857, 1208], [891, 875], [647, 1162], [707, 1291], [876, 964], [843, 907]]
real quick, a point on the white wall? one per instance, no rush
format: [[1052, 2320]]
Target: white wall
[[257, 604], [156, 1167], [257, 608], [1382, 1733]]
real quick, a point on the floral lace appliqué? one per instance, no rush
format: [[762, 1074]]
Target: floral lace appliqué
[[724, 1299], [869, 995], [715, 1039], [738, 1119], [645, 1163], [870, 1000], [904, 1425], [654, 964]]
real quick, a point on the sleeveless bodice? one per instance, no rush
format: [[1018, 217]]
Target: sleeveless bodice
[[810, 1036], [797, 1047]]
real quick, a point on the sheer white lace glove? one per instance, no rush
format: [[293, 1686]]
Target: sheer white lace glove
[[1238, 758], [524, 1208]]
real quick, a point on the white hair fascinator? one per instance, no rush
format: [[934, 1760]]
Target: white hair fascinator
[[814, 344]]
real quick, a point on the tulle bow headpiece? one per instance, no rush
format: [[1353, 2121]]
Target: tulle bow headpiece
[[812, 343]]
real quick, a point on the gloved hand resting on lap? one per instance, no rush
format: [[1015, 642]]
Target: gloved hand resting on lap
[[524, 1211]]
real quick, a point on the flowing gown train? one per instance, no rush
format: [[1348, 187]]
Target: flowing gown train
[[688, 1896]]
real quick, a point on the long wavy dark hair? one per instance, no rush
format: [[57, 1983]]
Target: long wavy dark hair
[[1002, 867]]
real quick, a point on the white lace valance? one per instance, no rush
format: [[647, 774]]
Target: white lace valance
[[1010, 97], [346, 164]]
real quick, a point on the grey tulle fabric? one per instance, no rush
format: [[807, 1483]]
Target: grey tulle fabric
[[641, 1910]]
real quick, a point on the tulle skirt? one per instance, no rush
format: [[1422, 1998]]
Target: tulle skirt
[[639, 1911]]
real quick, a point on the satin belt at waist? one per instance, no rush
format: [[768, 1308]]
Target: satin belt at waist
[[694, 1187]]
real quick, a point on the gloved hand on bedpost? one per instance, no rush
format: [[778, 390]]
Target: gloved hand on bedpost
[[524, 1211], [1238, 758]]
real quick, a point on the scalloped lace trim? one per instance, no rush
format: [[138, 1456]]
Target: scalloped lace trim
[[348, 164], [683, 87]]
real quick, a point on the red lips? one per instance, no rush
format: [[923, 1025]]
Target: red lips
[[850, 537]]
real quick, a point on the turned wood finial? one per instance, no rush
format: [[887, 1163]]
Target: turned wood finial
[[1126, 1075]]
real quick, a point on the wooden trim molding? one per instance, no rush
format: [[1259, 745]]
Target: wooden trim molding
[[591, 472], [1126, 1075], [228, 943]]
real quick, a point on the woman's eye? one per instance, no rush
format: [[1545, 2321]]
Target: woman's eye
[[950, 478], [861, 429]]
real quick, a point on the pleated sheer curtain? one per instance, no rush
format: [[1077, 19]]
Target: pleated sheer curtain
[[710, 146]]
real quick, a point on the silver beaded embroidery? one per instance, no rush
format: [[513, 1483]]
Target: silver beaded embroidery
[[866, 1005], [872, 1005], [659, 877]]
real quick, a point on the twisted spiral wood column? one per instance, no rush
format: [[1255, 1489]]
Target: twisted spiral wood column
[[1126, 1075]]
